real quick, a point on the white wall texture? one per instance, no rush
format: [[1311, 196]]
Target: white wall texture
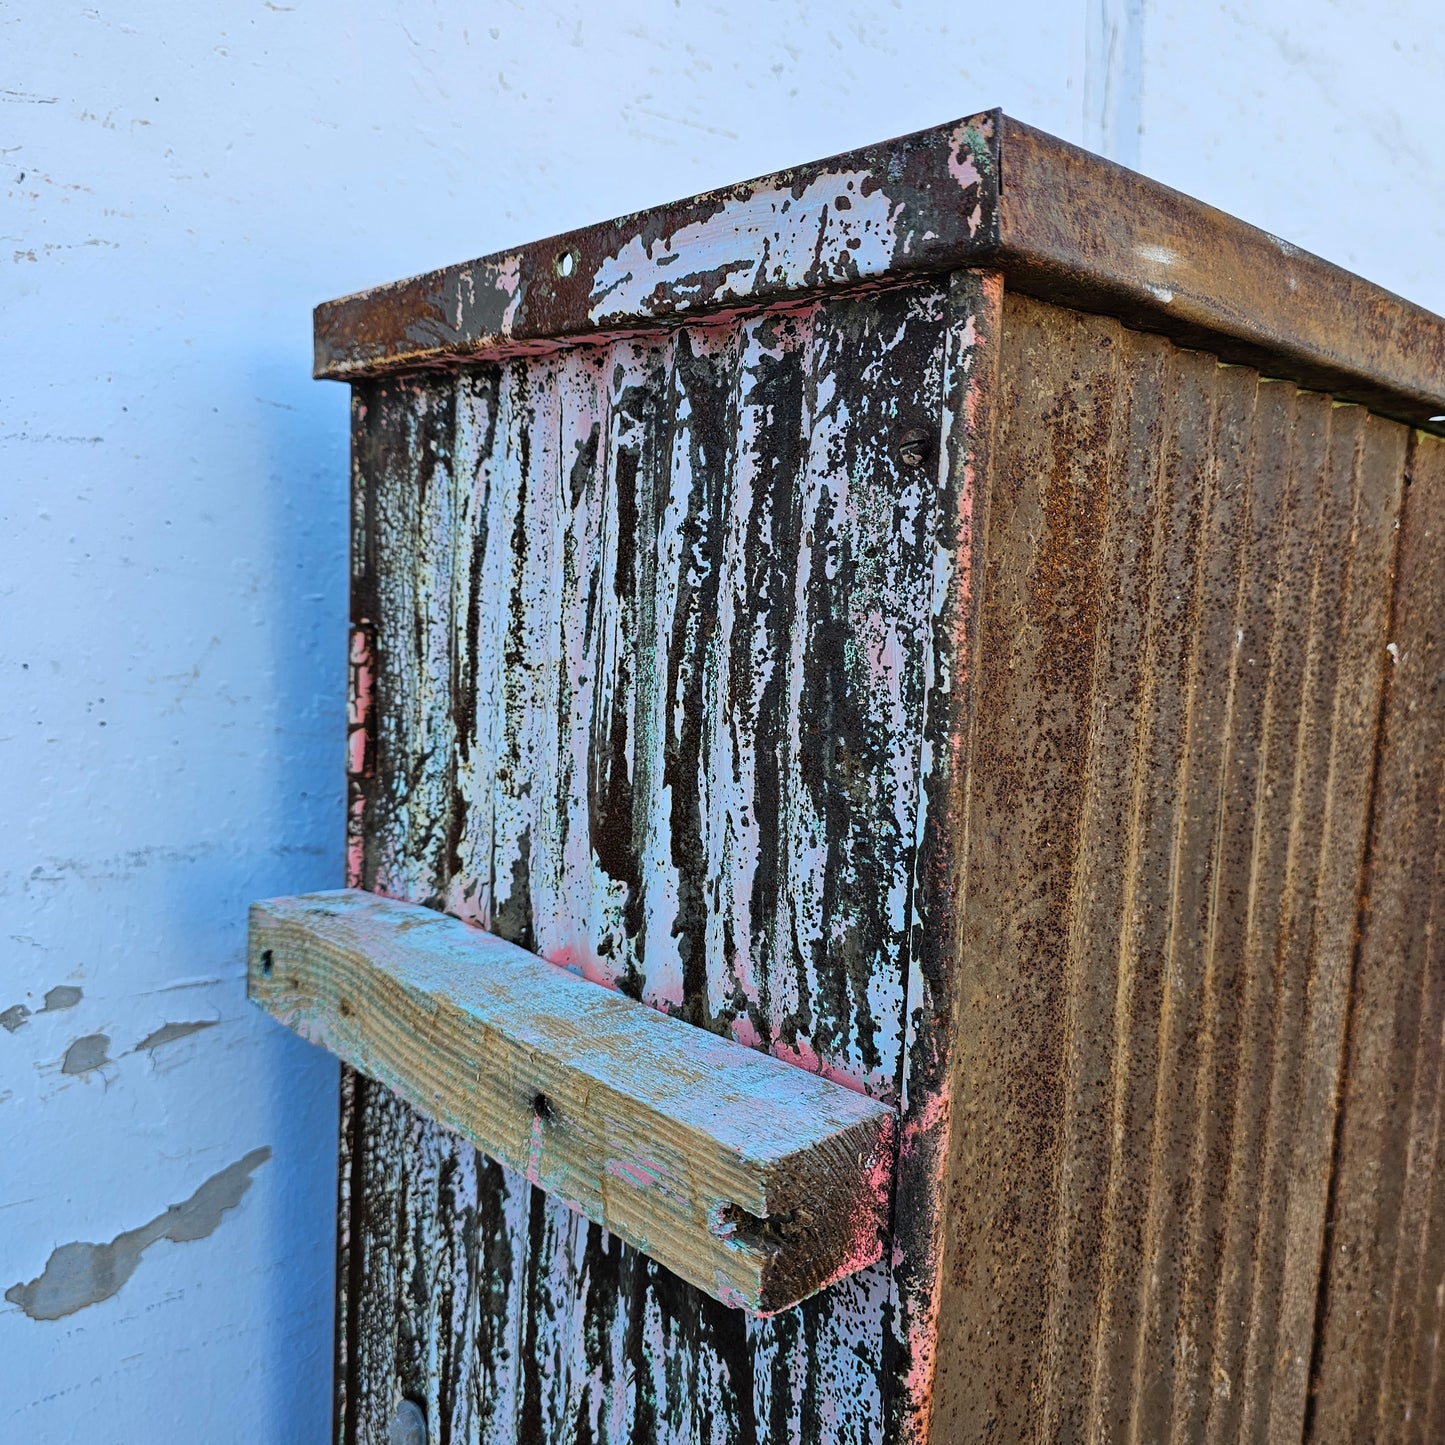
[[182, 183]]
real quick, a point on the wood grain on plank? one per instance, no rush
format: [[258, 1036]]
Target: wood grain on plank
[[755, 1181]]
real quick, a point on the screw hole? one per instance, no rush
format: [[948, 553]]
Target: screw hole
[[565, 264], [268, 962], [913, 447], [542, 1107]]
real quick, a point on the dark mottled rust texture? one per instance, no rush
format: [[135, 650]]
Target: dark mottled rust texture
[[1080, 231], [1182, 644], [663, 634], [1378, 1370]]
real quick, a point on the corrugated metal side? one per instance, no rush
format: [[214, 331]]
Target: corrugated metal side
[[1378, 1374], [1180, 664]]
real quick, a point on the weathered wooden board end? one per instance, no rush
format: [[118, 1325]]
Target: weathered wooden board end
[[754, 1180]]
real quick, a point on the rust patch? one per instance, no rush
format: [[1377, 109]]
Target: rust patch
[[1181, 656]]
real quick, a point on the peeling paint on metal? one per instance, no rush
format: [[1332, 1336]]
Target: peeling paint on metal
[[922, 201], [650, 625]]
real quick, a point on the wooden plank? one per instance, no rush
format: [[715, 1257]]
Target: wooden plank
[[985, 191], [757, 1182], [1181, 656]]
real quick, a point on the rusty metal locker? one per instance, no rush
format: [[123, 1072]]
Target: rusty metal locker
[[962, 619]]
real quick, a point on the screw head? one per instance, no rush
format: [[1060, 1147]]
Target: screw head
[[913, 447], [408, 1425]]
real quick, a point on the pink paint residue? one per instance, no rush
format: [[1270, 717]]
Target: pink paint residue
[[355, 843], [961, 164], [745, 1032], [866, 1245], [806, 1057], [358, 712], [924, 1145], [508, 280], [640, 1175], [728, 1294], [918, 1378], [356, 752], [878, 1171], [583, 962], [358, 705], [927, 1120]]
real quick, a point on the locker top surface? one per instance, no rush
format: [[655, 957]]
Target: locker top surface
[[986, 191]]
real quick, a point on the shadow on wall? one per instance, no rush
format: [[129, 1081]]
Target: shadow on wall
[[305, 425]]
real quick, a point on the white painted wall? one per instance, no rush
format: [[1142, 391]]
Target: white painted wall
[[181, 184]]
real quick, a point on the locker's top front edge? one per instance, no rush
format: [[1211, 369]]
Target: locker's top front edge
[[985, 191]]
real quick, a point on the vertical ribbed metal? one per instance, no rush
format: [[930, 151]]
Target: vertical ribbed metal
[[1378, 1369], [1181, 656]]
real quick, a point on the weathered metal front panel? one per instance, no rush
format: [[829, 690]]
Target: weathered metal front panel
[[1181, 654], [648, 638]]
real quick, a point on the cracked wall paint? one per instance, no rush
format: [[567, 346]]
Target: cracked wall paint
[[81, 1274], [172, 1033], [85, 1054], [62, 996]]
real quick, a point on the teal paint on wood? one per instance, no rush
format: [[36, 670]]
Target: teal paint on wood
[[756, 1181]]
